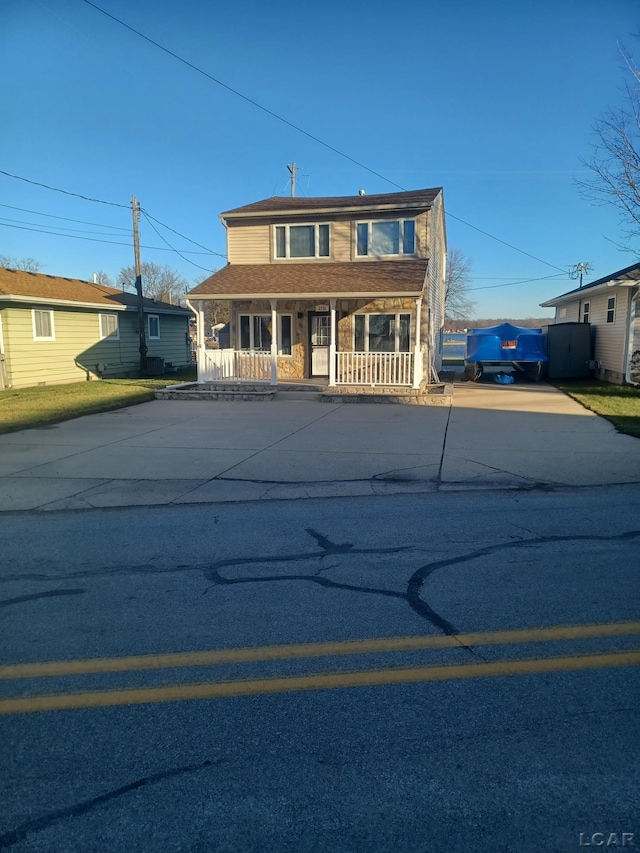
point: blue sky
(494, 101)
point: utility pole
(292, 170)
(136, 250)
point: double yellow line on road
(366, 678)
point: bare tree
(215, 310)
(158, 282)
(26, 264)
(615, 161)
(458, 304)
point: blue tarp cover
(505, 343)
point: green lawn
(32, 407)
(619, 404)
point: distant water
(454, 345)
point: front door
(319, 337)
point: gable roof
(364, 278)
(22, 286)
(286, 205)
(628, 275)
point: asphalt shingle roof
(41, 286)
(284, 204)
(383, 277)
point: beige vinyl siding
(78, 353)
(570, 312)
(611, 338)
(341, 240)
(249, 243)
(252, 242)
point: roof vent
(361, 192)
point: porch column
(274, 343)
(417, 351)
(332, 344)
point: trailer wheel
(473, 370)
(534, 371)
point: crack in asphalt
(8, 839)
(36, 595)
(413, 595)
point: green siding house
(55, 329)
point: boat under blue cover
(505, 343)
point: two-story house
(346, 290)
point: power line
(65, 218)
(78, 230)
(66, 192)
(93, 239)
(86, 198)
(244, 97)
(512, 283)
(302, 131)
(173, 249)
(148, 216)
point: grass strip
(27, 408)
(619, 404)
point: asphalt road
(452, 736)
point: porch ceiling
(312, 280)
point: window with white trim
(109, 330)
(301, 241)
(43, 328)
(381, 332)
(381, 238)
(586, 312)
(153, 327)
(611, 309)
(255, 332)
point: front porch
(345, 368)
(347, 344)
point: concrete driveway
(166, 451)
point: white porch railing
(374, 368)
(219, 364)
(352, 368)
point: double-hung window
(611, 309)
(153, 327)
(109, 330)
(382, 332)
(586, 312)
(386, 237)
(43, 328)
(301, 241)
(255, 332)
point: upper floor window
(302, 241)
(586, 311)
(109, 327)
(43, 328)
(611, 309)
(389, 237)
